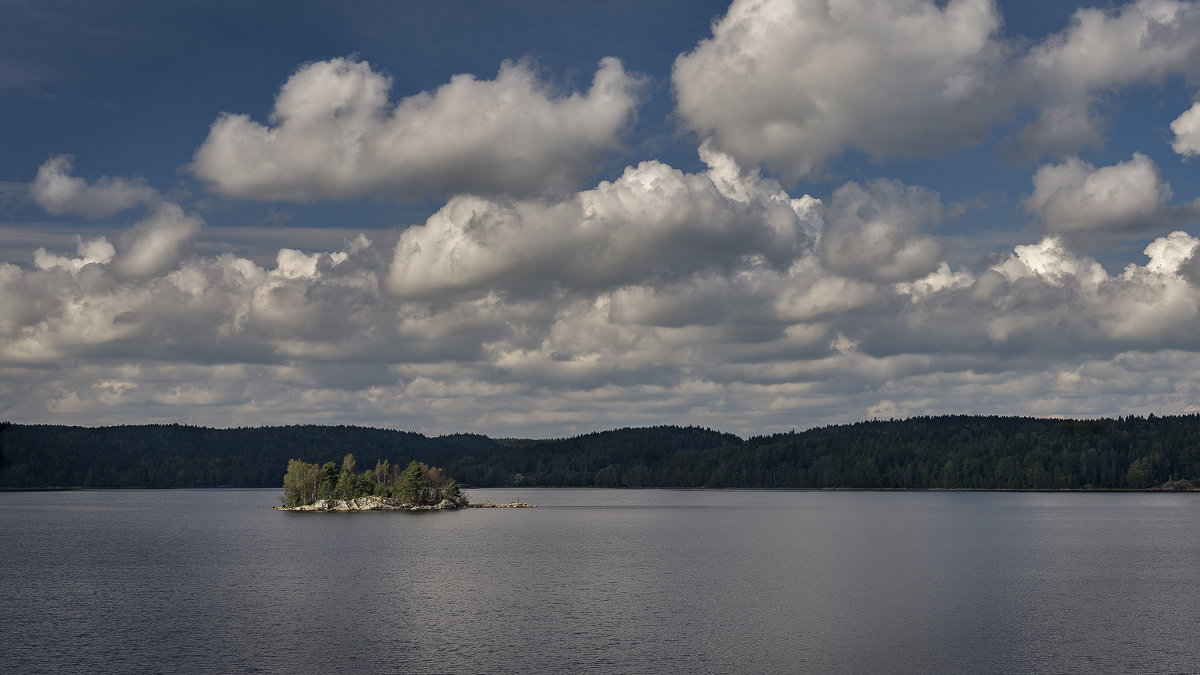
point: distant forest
(971, 452)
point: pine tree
(454, 494)
(414, 485)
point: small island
(308, 487)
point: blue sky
(544, 218)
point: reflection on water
(602, 580)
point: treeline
(924, 452)
(417, 485)
(172, 455)
(968, 452)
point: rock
(1176, 486)
(386, 504)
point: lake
(593, 580)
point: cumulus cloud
(1147, 40)
(155, 245)
(91, 251)
(148, 248)
(334, 134)
(711, 298)
(1076, 197)
(750, 347)
(939, 280)
(653, 223)
(1101, 51)
(1056, 300)
(60, 193)
(813, 296)
(1186, 128)
(791, 84)
(149, 302)
(1168, 254)
(1059, 129)
(876, 232)
(1052, 262)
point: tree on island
(302, 483)
(454, 493)
(415, 488)
(417, 485)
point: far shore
(1157, 488)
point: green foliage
(414, 485)
(922, 452)
(454, 494)
(301, 483)
(173, 455)
(305, 483)
(330, 476)
(609, 476)
(349, 486)
(975, 453)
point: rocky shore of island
(1176, 486)
(390, 504)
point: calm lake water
(604, 581)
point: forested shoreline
(950, 452)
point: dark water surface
(603, 581)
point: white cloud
(91, 251)
(876, 232)
(335, 134)
(661, 296)
(1060, 129)
(55, 190)
(155, 245)
(939, 280)
(822, 297)
(1144, 41)
(1156, 302)
(1056, 299)
(654, 223)
(1075, 196)
(1186, 128)
(1050, 261)
(750, 348)
(1168, 254)
(790, 83)
(1101, 51)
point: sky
(540, 219)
